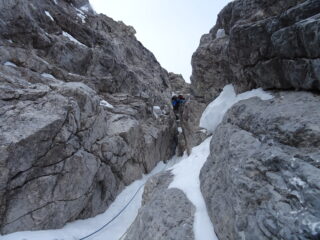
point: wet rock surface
(261, 180)
(77, 93)
(268, 44)
(166, 214)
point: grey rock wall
(179, 85)
(63, 155)
(261, 180)
(268, 44)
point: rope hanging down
(124, 208)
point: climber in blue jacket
(176, 103)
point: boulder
(166, 214)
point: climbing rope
(116, 216)
(124, 208)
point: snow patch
(179, 129)
(44, 61)
(72, 39)
(47, 75)
(11, 64)
(220, 33)
(204, 131)
(86, 7)
(186, 178)
(10, 41)
(81, 15)
(214, 113)
(55, 2)
(49, 15)
(106, 104)
(297, 182)
(157, 112)
(74, 75)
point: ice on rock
(157, 112)
(49, 15)
(72, 39)
(220, 33)
(11, 64)
(47, 75)
(81, 15)
(106, 104)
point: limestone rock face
(261, 180)
(269, 44)
(77, 92)
(179, 85)
(166, 214)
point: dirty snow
(213, 115)
(106, 104)
(49, 15)
(72, 39)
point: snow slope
(187, 179)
